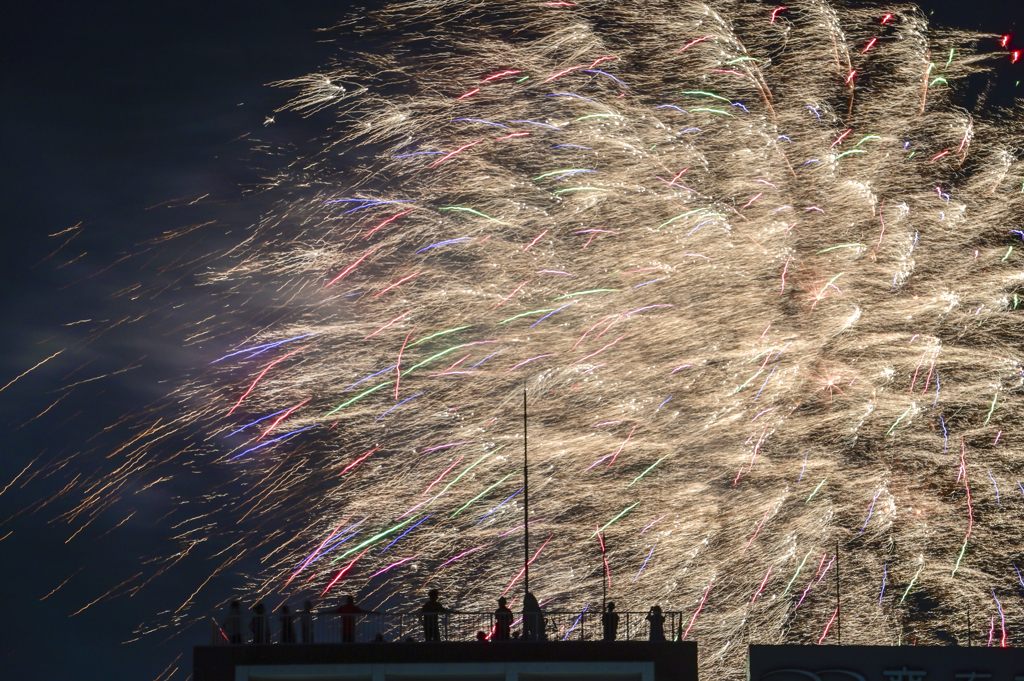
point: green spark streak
(680, 217)
(940, 78)
(957, 566)
(583, 293)
(839, 246)
(439, 333)
(991, 409)
(474, 212)
(815, 491)
(851, 151)
(527, 313)
(705, 94)
(522, 79)
(747, 383)
(482, 493)
(555, 172)
(614, 519)
(599, 116)
(911, 155)
(797, 572)
(375, 388)
(869, 137)
(373, 539)
(911, 585)
(950, 59)
(717, 111)
(579, 189)
(463, 473)
(1007, 254)
(898, 420)
(440, 354)
(741, 59)
(648, 470)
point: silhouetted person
(348, 611)
(429, 613)
(259, 626)
(657, 621)
(481, 636)
(610, 622)
(502, 621)
(233, 623)
(287, 625)
(306, 622)
(533, 619)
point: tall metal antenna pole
(526, 505)
(839, 601)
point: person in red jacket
(348, 611)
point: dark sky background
(110, 109)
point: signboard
(883, 663)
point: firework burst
(756, 270)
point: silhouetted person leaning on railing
(233, 623)
(429, 616)
(306, 622)
(258, 625)
(502, 621)
(287, 625)
(533, 619)
(657, 621)
(610, 622)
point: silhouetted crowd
(534, 624)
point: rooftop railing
(332, 627)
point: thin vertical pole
(839, 601)
(526, 504)
(968, 625)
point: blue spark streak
(263, 347)
(606, 74)
(551, 313)
(270, 442)
(486, 515)
(397, 406)
(405, 533)
(477, 120)
(461, 239)
(645, 563)
(553, 127)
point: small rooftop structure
(885, 663)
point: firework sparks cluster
(759, 275)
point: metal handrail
(334, 627)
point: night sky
(112, 113)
